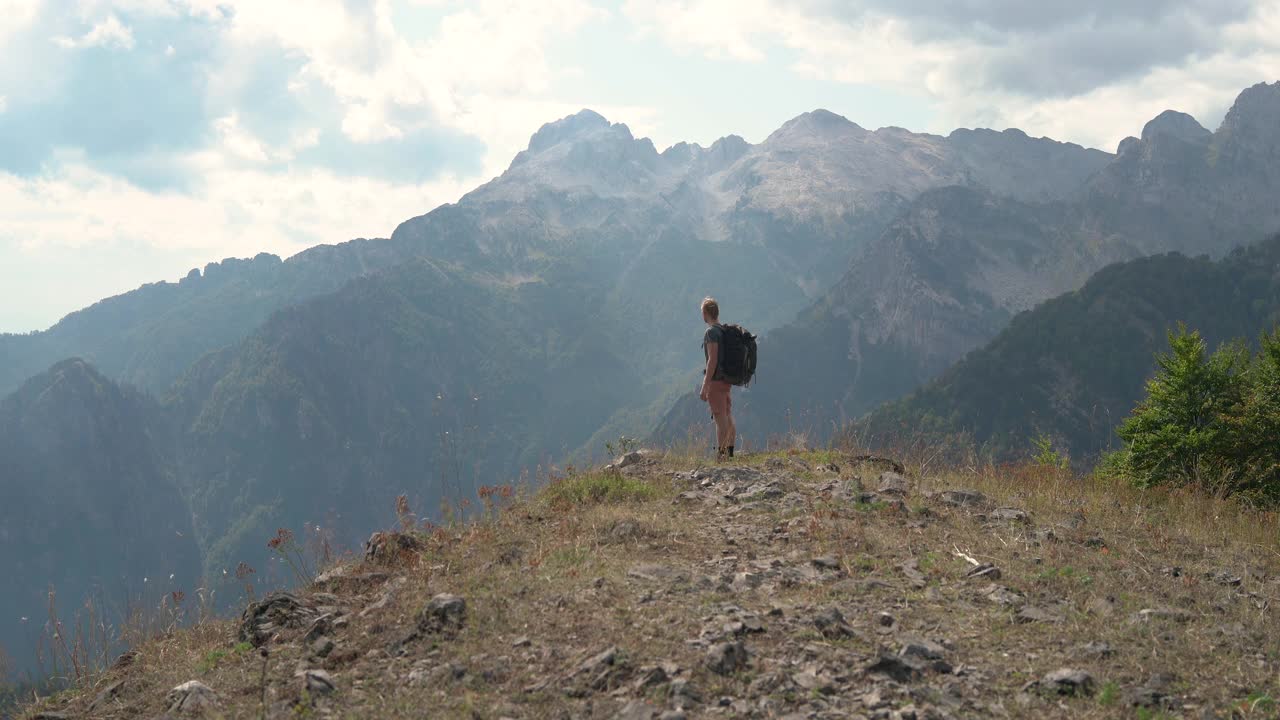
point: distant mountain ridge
(87, 505)
(805, 199)
(1073, 367)
(957, 263)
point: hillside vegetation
(1074, 367)
(793, 584)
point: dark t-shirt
(715, 334)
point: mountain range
(958, 263)
(555, 306)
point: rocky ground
(790, 585)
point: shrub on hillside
(598, 487)
(1208, 420)
(1254, 431)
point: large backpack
(738, 359)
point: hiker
(715, 387)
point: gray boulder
(192, 696)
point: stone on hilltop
(1068, 681)
(962, 498)
(444, 613)
(891, 483)
(192, 696)
(317, 682)
(727, 657)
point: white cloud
(18, 16)
(240, 211)
(977, 74)
(483, 72)
(237, 142)
(107, 33)
(4, 103)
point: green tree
(1181, 433)
(1255, 430)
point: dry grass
(560, 570)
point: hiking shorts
(718, 397)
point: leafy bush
(621, 446)
(1208, 420)
(1254, 430)
(1046, 455)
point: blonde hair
(711, 307)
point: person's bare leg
(733, 431)
(723, 432)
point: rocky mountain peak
(1176, 124)
(69, 378)
(819, 123)
(584, 122)
(726, 151)
(583, 150)
(1251, 124)
(1128, 144)
(682, 152)
(1261, 100)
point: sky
(142, 138)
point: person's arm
(713, 356)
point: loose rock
(826, 562)
(891, 483)
(962, 498)
(106, 696)
(1153, 693)
(387, 548)
(1068, 681)
(637, 710)
(321, 647)
(832, 625)
(1001, 595)
(902, 668)
(1009, 515)
(1173, 614)
(261, 620)
(629, 459)
(1224, 577)
(444, 614)
(911, 569)
(317, 682)
(192, 696)
(727, 657)
(1033, 614)
(604, 671)
(985, 571)
(683, 694)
